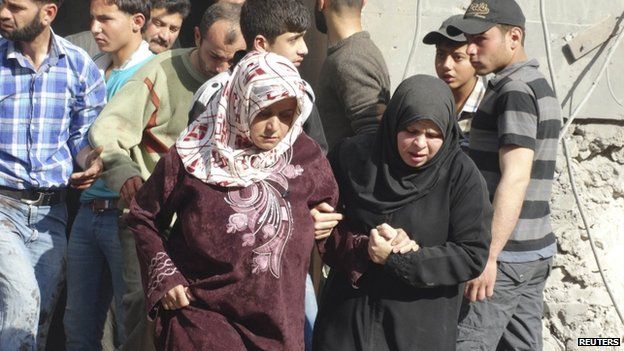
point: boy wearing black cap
(452, 65)
(513, 142)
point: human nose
(4, 13)
(164, 35)
(420, 141)
(471, 49)
(95, 27)
(271, 123)
(448, 63)
(304, 49)
(222, 66)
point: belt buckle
(94, 207)
(106, 205)
(34, 202)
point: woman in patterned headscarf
(241, 180)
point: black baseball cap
(485, 14)
(435, 36)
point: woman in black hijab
(412, 175)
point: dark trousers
(512, 318)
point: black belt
(35, 196)
(101, 205)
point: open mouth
(448, 78)
(417, 157)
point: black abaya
(412, 302)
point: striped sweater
(146, 116)
(520, 108)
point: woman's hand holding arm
(379, 248)
(401, 241)
(325, 219)
(176, 298)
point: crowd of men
(96, 110)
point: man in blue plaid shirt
(50, 93)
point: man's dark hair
(133, 7)
(272, 18)
(58, 3)
(183, 7)
(221, 11)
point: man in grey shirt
(513, 142)
(354, 84)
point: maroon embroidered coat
(243, 252)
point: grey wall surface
(393, 24)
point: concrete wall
(393, 23)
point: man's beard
(27, 33)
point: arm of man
(90, 161)
(363, 89)
(515, 164)
(87, 106)
(119, 129)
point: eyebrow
(102, 16)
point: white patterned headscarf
(217, 149)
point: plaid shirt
(45, 114)
(470, 108)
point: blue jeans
(311, 309)
(93, 277)
(32, 260)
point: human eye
(433, 134)
(412, 130)
(264, 113)
(286, 114)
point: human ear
(516, 34)
(261, 43)
(320, 5)
(197, 36)
(138, 21)
(48, 13)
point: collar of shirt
(472, 103)
(54, 54)
(509, 70)
(103, 60)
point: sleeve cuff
(519, 140)
(76, 145)
(162, 276)
(397, 266)
(116, 177)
